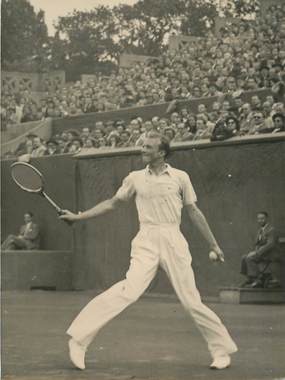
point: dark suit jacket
(32, 235)
(221, 132)
(266, 245)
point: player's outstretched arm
(100, 209)
(198, 218)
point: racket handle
(61, 212)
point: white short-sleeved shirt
(159, 199)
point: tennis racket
(30, 179)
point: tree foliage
(242, 8)
(143, 28)
(86, 39)
(198, 17)
(23, 31)
(146, 25)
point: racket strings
(27, 177)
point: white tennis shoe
(77, 354)
(221, 362)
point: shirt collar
(166, 170)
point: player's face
(150, 151)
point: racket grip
(60, 212)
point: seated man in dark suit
(28, 238)
(266, 250)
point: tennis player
(160, 191)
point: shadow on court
(153, 339)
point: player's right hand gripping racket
(30, 179)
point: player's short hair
(164, 142)
(29, 213)
(265, 213)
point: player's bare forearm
(100, 209)
(198, 218)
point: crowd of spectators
(19, 105)
(217, 122)
(246, 56)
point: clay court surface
(153, 339)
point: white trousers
(154, 245)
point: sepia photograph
(142, 190)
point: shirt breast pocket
(168, 189)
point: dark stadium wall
(38, 269)
(232, 181)
(59, 184)
(146, 112)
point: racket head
(27, 177)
